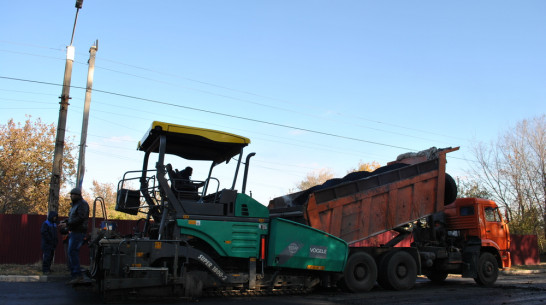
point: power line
(298, 143)
(30, 54)
(26, 92)
(30, 45)
(220, 114)
(249, 93)
(270, 106)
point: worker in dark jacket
(77, 225)
(49, 241)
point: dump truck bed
(359, 209)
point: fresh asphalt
(59, 278)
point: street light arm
(79, 4)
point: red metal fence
(20, 241)
(523, 248)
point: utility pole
(83, 141)
(55, 184)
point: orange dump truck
(414, 197)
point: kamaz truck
(414, 200)
(206, 237)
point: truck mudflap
(470, 261)
(506, 259)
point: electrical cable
(218, 113)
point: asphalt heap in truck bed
(406, 165)
(300, 198)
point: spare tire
(450, 192)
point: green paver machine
(192, 240)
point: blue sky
(360, 81)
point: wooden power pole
(55, 184)
(83, 141)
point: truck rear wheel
(360, 272)
(398, 271)
(488, 270)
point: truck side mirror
(506, 218)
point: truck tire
(450, 190)
(488, 270)
(398, 271)
(360, 272)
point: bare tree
(513, 171)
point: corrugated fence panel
(20, 236)
(524, 250)
(20, 240)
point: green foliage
(470, 188)
(26, 159)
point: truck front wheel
(488, 270)
(360, 272)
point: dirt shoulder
(33, 269)
(526, 269)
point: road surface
(519, 289)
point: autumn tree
(315, 178)
(513, 171)
(108, 193)
(320, 176)
(26, 159)
(368, 167)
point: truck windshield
(492, 214)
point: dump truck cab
(479, 221)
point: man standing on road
(49, 241)
(77, 225)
